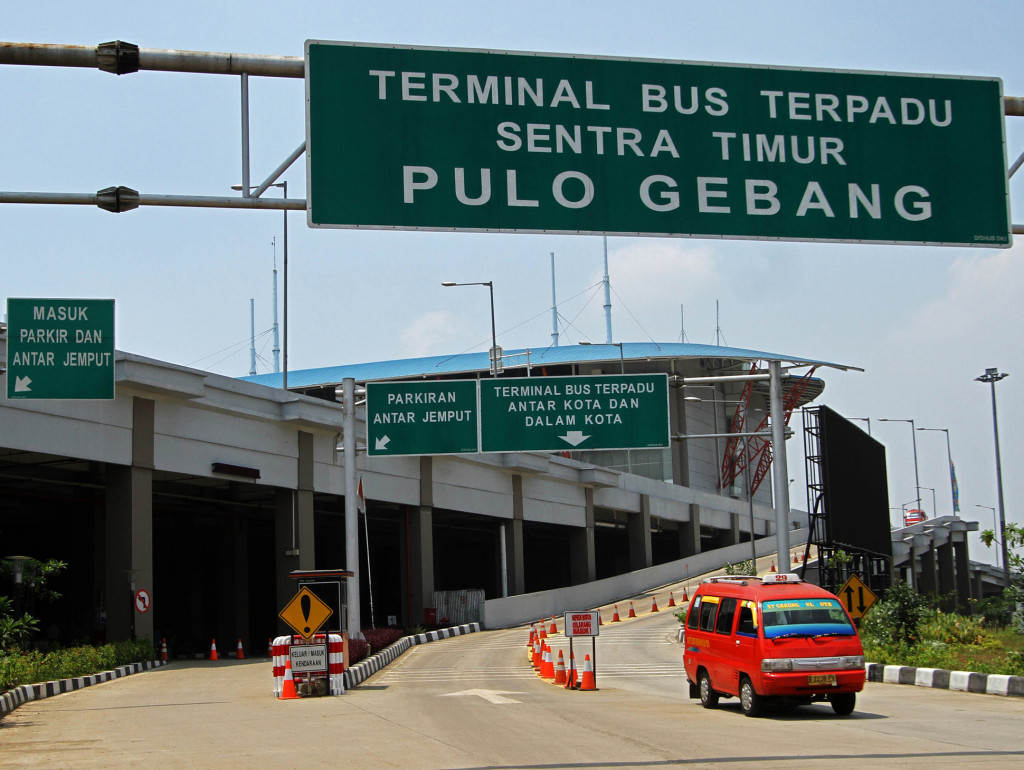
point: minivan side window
(693, 620)
(707, 613)
(725, 615)
(746, 625)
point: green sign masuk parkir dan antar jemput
(442, 139)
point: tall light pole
(495, 353)
(863, 419)
(622, 357)
(935, 507)
(913, 433)
(992, 376)
(284, 193)
(954, 492)
(995, 524)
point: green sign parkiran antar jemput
(417, 138)
(60, 348)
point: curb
(28, 692)
(361, 671)
(940, 679)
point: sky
(922, 322)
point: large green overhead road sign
(437, 139)
(434, 417)
(566, 413)
(60, 348)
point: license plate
(821, 679)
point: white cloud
(430, 334)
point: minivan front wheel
(708, 697)
(843, 703)
(750, 701)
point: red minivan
(771, 639)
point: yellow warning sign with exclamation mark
(306, 612)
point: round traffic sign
(143, 601)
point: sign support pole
(351, 509)
(780, 468)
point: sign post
(857, 597)
(60, 348)
(584, 623)
(499, 141)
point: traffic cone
(671, 599)
(533, 635)
(542, 634)
(600, 620)
(773, 567)
(685, 597)
(632, 612)
(560, 669)
(239, 652)
(547, 668)
(536, 653)
(554, 628)
(615, 616)
(573, 676)
(587, 681)
(213, 650)
(654, 604)
(288, 688)
(796, 559)
(163, 649)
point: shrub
(357, 650)
(379, 638)
(896, 619)
(18, 668)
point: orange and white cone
(615, 616)
(632, 612)
(587, 681)
(654, 604)
(796, 559)
(547, 668)
(288, 688)
(554, 628)
(542, 634)
(213, 650)
(773, 567)
(239, 652)
(163, 649)
(560, 669)
(671, 599)
(537, 654)
(685, 597)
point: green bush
(896, 619)
(18, 668)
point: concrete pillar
(582, 554)
(640, 556)
(926, 575)
(733, 536)
(128, 531)
(514, 554)
(962, 562)
(689, 533)
(421, 544)
(680, 449)
(947, 575)
(294, 526)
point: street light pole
(622, 355)
(952, 472)
(495, 356)
(992, 376)
(913, 434)
(995, 524)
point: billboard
(496, 141)
(856, 486)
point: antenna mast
(252, 336)
(554, 305)
(277, 339)
(607, 296)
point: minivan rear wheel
(708, 697)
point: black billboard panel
(855, 485)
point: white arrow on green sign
(60, 348)
(628, 411)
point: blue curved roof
(471, 363)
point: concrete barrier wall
(524, 608)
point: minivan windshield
(805, 617)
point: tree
(1014, 534)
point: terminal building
(206, 491)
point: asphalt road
(474, 702)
